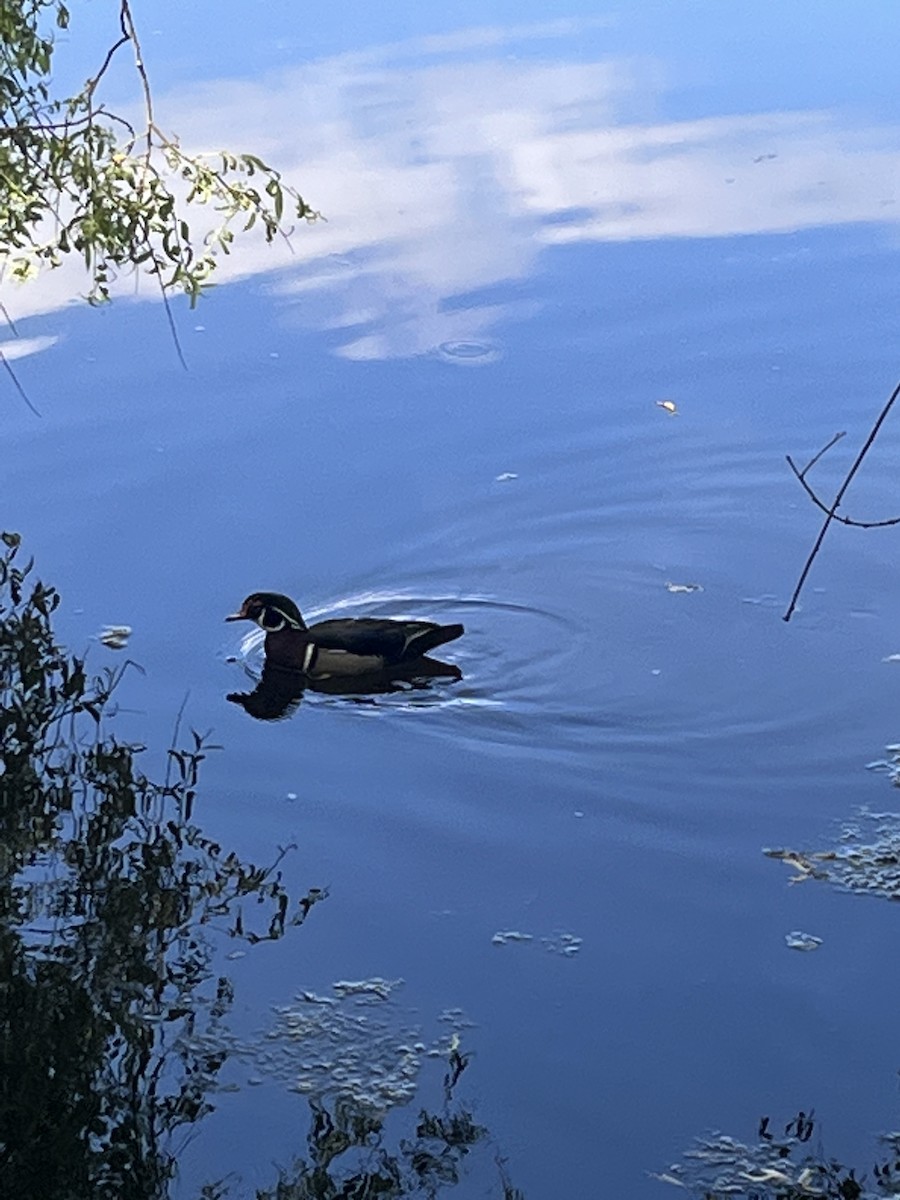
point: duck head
(270, 611)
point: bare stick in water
(831, 513)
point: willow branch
(128, 29)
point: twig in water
(801, 478)
(14, 377)
(831, 513)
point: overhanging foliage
(78, 178)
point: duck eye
(271, 620)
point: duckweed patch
(565, 944)
(781, 1168)
(866, 858)
(353, 1043)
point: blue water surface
(445, 402)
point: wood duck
(345, 648)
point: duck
(345, 647)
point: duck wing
(393, 641)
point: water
(446, 404)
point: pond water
(445, 402)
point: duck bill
(238, 616)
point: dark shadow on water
(280, 690)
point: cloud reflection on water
(14, 348)
(444, 178)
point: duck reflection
(280, 689)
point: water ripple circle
(509, 656)
(469, 353)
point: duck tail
(425, 640)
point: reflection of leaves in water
(346, 1156)
(780, 1167)
(358, 1058)
(112, 1023)
(361, 1059)
(105, 976)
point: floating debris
(800, 862)
(457, 1018)
(115, 636)
(669, 406)
(779, 1165)
(511, 935)
(719, 1165)
(566, 944)
(683, 587)
(866, 859)
(376, 986)
(797, 940)
(353, 1043)
(505, 477)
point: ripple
(510, 669)
(469, 353)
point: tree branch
(4, 362)
(801, 477)
(831, 513)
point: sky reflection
(447, 165)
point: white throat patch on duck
(273, 620)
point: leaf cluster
(77, 178)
